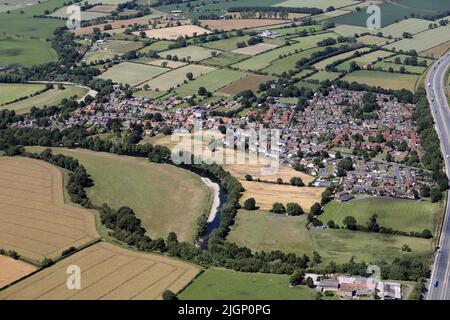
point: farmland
(404, 215)
(108, 272)
(121, 46)
(185, 195)
(365, 59)
(266, 194)
(96, 56)
(173, 33)
(243, 286)
(323, 63)
(50, 97)
(226, 44)
(380, 78)
(85, 15)
(373, 40)
(13, 270)
(321, 4)
(10, 92)
(176, 77)
(35, 222)
(250, 82)
(191, 53)
(236, 24)
(25, 52)
(255, 49)
(132, 73)
(423, 41)
(224, 59)
(158, 46)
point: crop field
(132, 73)
(85, 15)
(50, 97)
(243, 286)
(12, 91)
(412, 25)
(164, 197)
(35, 221)
(103, 8)
(236, 24)
(157, 46)
(192, 53)
(373, 40)
(226, 44)
(255, 49)
(320, 4)
(437, 51)
(251, 82)
(172, 33)
(365, 59)
(108, 272)
(323, 63)
(121, 46)
(266, 194)
(224, 59)
(25, 51)
(164, 63)
(212, 81)
(260, 230)
(176, 77)
(95, 56)
(383, 79)
(13, 270)
(423, 41)
(263, 60)
(398, 214)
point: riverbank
(216, 198)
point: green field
(164, 197)
(365, 59)
(132, 73)
(423, 40)
(324, 75)
(263, 60)
(85, 15)
(385, 80)
(212, 81)
(321, 4)
(223, 284)
(193, 53)
(24, 51)
(49, 98)
(296, 30)
(10, 91)
(373, 40)
(398, 214)
(157, 46)
(386, 66)
(122, 46)
(95, 56)
(260, 230)
(226, 44)
(224, 59)
(323, 63)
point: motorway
(439, 288)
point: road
(439, 285)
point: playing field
(132, 73)
(95, 56)
(423, 41)
(35, 222)
(398, 214)
(13, 270)
(173, 33)
(50, 97)
(12, 91)
(266, 194)
(212, 81)
(243, 286)
(191, 53)
(24, 51)
(164, 197)
(238, 24)
(108, 272)
(383, 79)
(176, 77)
(251, 82)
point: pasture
(323, 63)
(13, 270)
(190, 53)
(239, 24)
(108, 272)
(12, 91)
(385, 80)
(255, 49)
(165, 63)
(35, 221)
(388, 66)
(243, 286)
(373, 40)
(226, 44)
(172, 33)
(157, 46)
(224, 59)
(96, 56)
(320, 4)
(212, 81)
(423, 41)
(26, 52)
(176, 77)
(437, 51)
(164, 197)
(85, 15)
(266, 194)
(250, 82)
(132, 73)
(398, 214)
(121, 46)
(324, 75)
(365, 59)
(49, 98)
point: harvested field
(108, 272)
(191, 53)
(266, 194)
(437, 51)
(250, 82)
(132, 73)
(373, 40)
(255, 49)
(383, 79)
(237, 24)
(176, 77)
(103, 8)
(173, 33)
(35, 222)
(13, 270)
